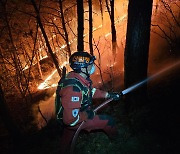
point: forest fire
(46, 84)
(135, 43)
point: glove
(90, 114)
(114, 95)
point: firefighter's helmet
(80, 60)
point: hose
(82, 123)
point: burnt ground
(153, 129)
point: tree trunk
(136, 50)
(8, 75)
(13, 53)
(7, 119)
(90, 27)
(53, 56)
(101, 8)
(113, 29)
(64, 27)
(28, 61)
(80, 29)
(38, 65)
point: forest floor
(153, 129)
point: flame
(45, 84)
(71, 41)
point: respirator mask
(93, 68)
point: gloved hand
(90, 114)
(114, 95)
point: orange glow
(112, 69)
(101, 34)
(46, 84)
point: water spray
(148, 79)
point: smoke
(47, 109)
(159, 73)
(164, 45)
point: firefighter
(75, 100)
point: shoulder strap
(72, 82)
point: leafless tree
(53, 56)
(64, 27)
(19, 77)
(101, 8)
(166, 23)
(113, 29)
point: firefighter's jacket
(72, 100)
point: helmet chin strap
(88, 75)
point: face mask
(93, 68)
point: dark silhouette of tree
(136, 50)
(10, 125)
(18, 77)
(90, 27)
(80, 23)
(113, 29)
(166, 23)
(101, 8)
(64, 27)
(53, 56)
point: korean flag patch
(75, 99)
